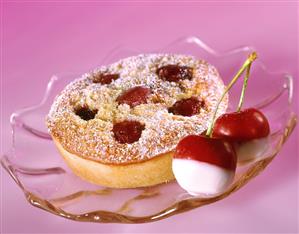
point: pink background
(42, 38)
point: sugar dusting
(94, 139)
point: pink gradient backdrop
(40, 39)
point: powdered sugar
(94, 139)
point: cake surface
(83, 118)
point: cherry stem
(245, 66)
(244, 88)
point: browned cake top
(136, 108)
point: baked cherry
(245, 125)
(104, 78)
(134, 96)
(127, 131)
(85, 113)
(186, 107)
(204, 165)
(175, 73)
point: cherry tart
(118, 125)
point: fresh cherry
(127, 131)
(241, 126)
(174, 73)
(186, 107)
(201, 148)
(134, 96)
(204, 165)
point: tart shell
(157, 170)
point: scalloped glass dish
(36, 166)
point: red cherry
(186, 107)
(214, 151)
(104, 78)
(245, 125)
(174, 73)
(134, 96)
(127, 131)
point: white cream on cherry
(201, 178)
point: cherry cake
(118, 125)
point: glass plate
(36, 166)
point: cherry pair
(211, 157)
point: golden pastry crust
(94, 139)
(147, 173)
